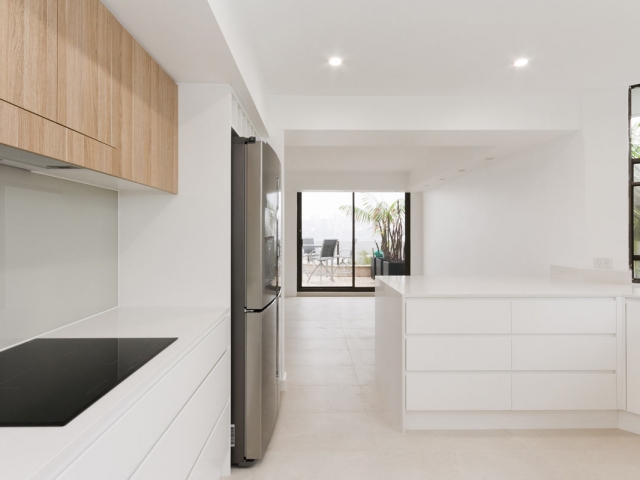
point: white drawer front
(177, 451)
(459, 353)
(458, 391)
(564, 352)
(426, 315)
(117, 453)
(564, 391)
(211, 461)
(565, 315)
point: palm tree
(386, 220)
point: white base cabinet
(633, 356)
(162, 435)
(518, 356)
(458, 391)
(564, 391)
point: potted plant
(386, 220)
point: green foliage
(363, 258)
(386, 220)
(634, 132)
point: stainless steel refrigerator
(255, 297)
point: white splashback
(58, 253)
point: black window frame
(632, 185)
(352, 288)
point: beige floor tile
(314, 314)
(425, 466)
(316, 344)
(327, 332)
(502, 464)
(561, 439)
(319, 357)
(389, 437)
(323, 432)
(313, 324)
(468, 440)
(351, 322)
(591, 464)
(321, 375)
(361, 343)
(359, 332)
(363, 357)
(326, 466)
(374, 398)
(365, 374)
(303, 399)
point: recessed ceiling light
(521, 62)
(443, 179)
(462, 170)
(489, 158)
(335, 61)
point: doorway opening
(345, 238)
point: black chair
(324, 265)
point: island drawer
(453, 315)
(564, 391)
(458, 391)
(564, 352)
(564, 315)
(468, 352)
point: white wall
(58, 253)
(517, 217)
(606, 143)
(563, 204)
(174, 249)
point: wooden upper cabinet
(148, 114)
(28, 55)
(86, 37)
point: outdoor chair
(308, 248)
(324, 261)
(345, 259)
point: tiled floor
(334, 423)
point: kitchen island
(502, 352)
(170, 419)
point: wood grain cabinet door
(28, 55)
(147, 109)
(86, 39)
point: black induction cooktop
(48, 382)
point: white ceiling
(444, 47)
(427, 157)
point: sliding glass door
(344, 238)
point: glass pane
(636, 270)
(326, 239)
(636, 220)
(380, 227)
(634, 136)
(636, 173)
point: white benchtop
(29, 452)
(504, 286)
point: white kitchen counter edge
(504, 287)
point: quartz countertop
(29, 452)
(504, 286)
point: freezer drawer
(262, 400)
